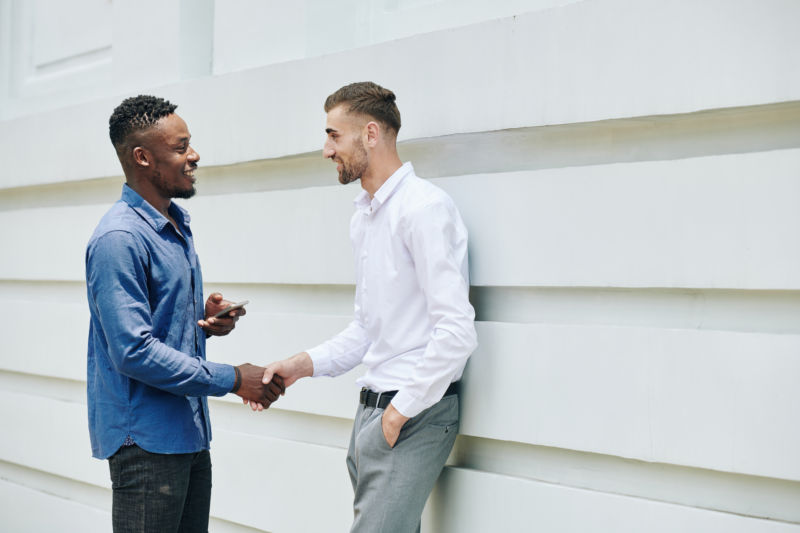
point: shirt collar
(149, 213)
(363, 201)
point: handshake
(250, 386)
(261, 386)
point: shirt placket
(367, 244)
(198, 403)
(187, 254)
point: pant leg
(198, 495)
(362, 414)
(149, 490)
(392, 484)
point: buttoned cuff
(407, 405)
(223, 377)
(321, 359)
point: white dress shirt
(414, 326)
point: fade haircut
(136, 114)
(370, 99)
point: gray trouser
(391, 485)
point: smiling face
(173, 159)
(344, 145)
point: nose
(327, 150)
(193, 155)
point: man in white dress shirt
(413, 327)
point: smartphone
(232, 308)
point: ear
(141, 156)
(372, 134)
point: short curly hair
(135, 114)
(368, 98)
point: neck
(151, 196)
(377, 174)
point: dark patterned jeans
(157, 493)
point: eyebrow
(330, 130)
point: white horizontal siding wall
(629, 173)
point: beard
(171, 191)
(354, 169)
(184, 193)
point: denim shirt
(147, 374)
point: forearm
(168, 369)
(444, 359)
(341, 353)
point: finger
(271, 395)
(223, 322)
(268, 375)
(216, 297)
(275, 389)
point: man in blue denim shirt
(148, 376)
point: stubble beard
(185, 194)
(172, 192)
(355, 170)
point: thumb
(268, 373)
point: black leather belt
(382, 399)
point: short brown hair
(368, 98)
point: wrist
(394, 417)
(304, 364)
(237, 379)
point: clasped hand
(253, 389)
(286, 372)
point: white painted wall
(629, 173)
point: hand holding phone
(230, 308)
